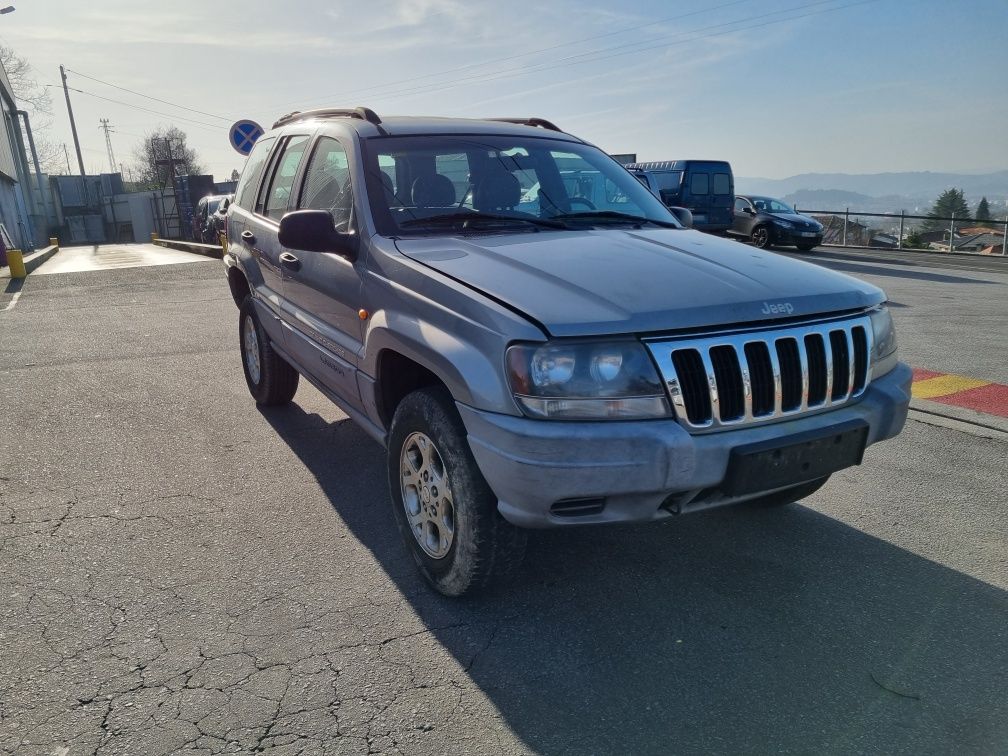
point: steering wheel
(587, 203)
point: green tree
(913, 240)
(951, 201)
(983, 210)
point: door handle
(289, 261)
(248, 237)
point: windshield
(441, 183)
(767, 205)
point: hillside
(879, 192)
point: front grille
(751, 377)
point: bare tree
(34, 99)
(163, 144)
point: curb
(958, 418)
(34, 260)
(207, 250)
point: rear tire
(805, 247)
(789, 495)
(760, 237)
(442, 505)
(270, 379)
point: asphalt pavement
(182, 572)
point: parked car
(705, 187)
(768, 222)
(574, 361)
(217, 221)
(204, 222)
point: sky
(777, 87)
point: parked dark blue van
(705, 187)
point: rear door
(722, 196)
(241, 240)
(322, 290)
(696, 194)
(261, 226)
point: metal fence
(844, 228)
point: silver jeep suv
(535, 338)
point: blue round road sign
(244, 134)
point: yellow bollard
(15, 261)
(153, 236)
(54, 242)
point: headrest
(497, 190)
(434, 190)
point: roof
(421, 125)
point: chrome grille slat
(782, 363)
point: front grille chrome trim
(662, 350)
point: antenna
(107, 128)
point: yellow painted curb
(943, 385)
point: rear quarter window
(245, 193)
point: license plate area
(780, 463)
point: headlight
(586, 381)
(884, 355)
(783, 223)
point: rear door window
(245, 193)
(278, 198)
(699, 184)
(722, 183)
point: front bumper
(643, 470)
(789, 236)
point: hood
(797, 219)
(587, 283)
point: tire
(805, 247)
(788, 495)
(760, 237)
(458, 539)
(270, 379)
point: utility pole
(106, 127)
(66, 154)
(73, 124)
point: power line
(213, 126)
(517, 56)
(151, 97)
(599, 55)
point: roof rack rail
(540, 122)
(364, 114)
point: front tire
(270, 379)
(760, 237)
(443, 506)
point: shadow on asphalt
(730, 631)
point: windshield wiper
(612, 215)
(456, 218)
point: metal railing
(843, 228)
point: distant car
(768, 222)
(705, 187)
(217, 220)
(204, 224)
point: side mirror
(315, 231)
(683, 215)
(748, 210)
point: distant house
(858, 234)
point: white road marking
(14, 299)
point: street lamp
(8, 9)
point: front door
(322, 290)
